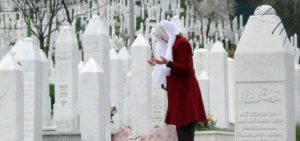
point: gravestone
(231, 90)
(95, 43)
(11, 100)
(30, 60)
(218, 85)
(115, 89)
(114, 72)
(200, 60)
(124, 63)
(141, 85)
(128, 102)
(46, 97)
(264, 80)
(203, 82)
(66, 80)
(159, 105)
(92, 112)
(297, 93)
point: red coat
(185, 103)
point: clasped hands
(154, 61)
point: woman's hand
(154, 61)
(160, 61)
(151, 62)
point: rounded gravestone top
(28, 39)
(265, 10)
(43, 56)
(91, 67)
(218, 47)
(201, 50)
(8, 63)
(113, 54)
(27, 51)
(80, 65)
(123, 53)
(65, 36)
(203, 75)
(140, 41)
(96, 26)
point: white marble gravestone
(128, 102)
(200, 60)
(115, 89)
(114, 72)
(141, 85)
(92, 112)
(264, 80)
(46, 96)
(66, 81)
(203, 81)
(29, 58)
(125, 65)
(11, 100)
(218, 84)
(159, 105)
(96, 44)
(231, 90)
(297, 93)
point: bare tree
(222, 10)
(39, 16)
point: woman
(173, 68)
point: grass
(202, 127)
(298, 132)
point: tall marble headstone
(114, 72)
(128, 102)
(125, 65)
(46, 97)
(231, 90)
(200, 60)
(297, 93)
(218, 84)
(159, 105)
(115, 89)
(141, 85)
(264, 80)
(66, 81)
(203, 81)
(11, 100)
(30, 60)
(96, 44)
(92, 112)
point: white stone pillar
(29, 58)
(66, 81)
(11, 100)
(128, 102)
(125, 65)
(46, 96)
(92, 100)
(218, 84)
(203, 81)
(200, 60)
(115, 70)
(231, 90)
(265, 76)
(297, 93)
(141, 85)
(96, 44)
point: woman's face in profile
(161, 34)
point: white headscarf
(164, 49)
